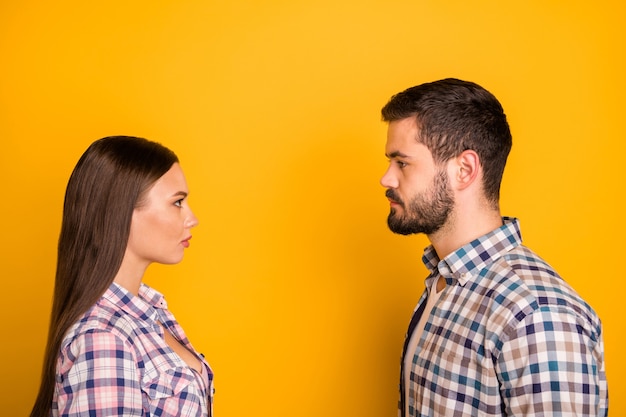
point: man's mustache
(390, 194)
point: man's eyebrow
(396, 154)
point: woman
(113, 346)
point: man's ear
(466, 168)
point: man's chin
(399, 227)
(402, 232)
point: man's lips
(393, 200)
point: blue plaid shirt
(508, 337)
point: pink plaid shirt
(115, 362)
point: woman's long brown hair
(106, 185)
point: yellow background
(293, 287)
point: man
(497, 332)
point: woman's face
(161, 226)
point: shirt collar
(143, 306)
(467, 261)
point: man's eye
(401, 164)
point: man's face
(418, 191)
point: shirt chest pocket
(169, 382)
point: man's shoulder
(527, 279)
(526, 262)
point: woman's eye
(179, 203)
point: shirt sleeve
(553, 365)
(98, 376)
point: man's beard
(425, 213)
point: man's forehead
(402, 135)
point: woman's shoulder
(103, 318)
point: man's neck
(463, 228)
